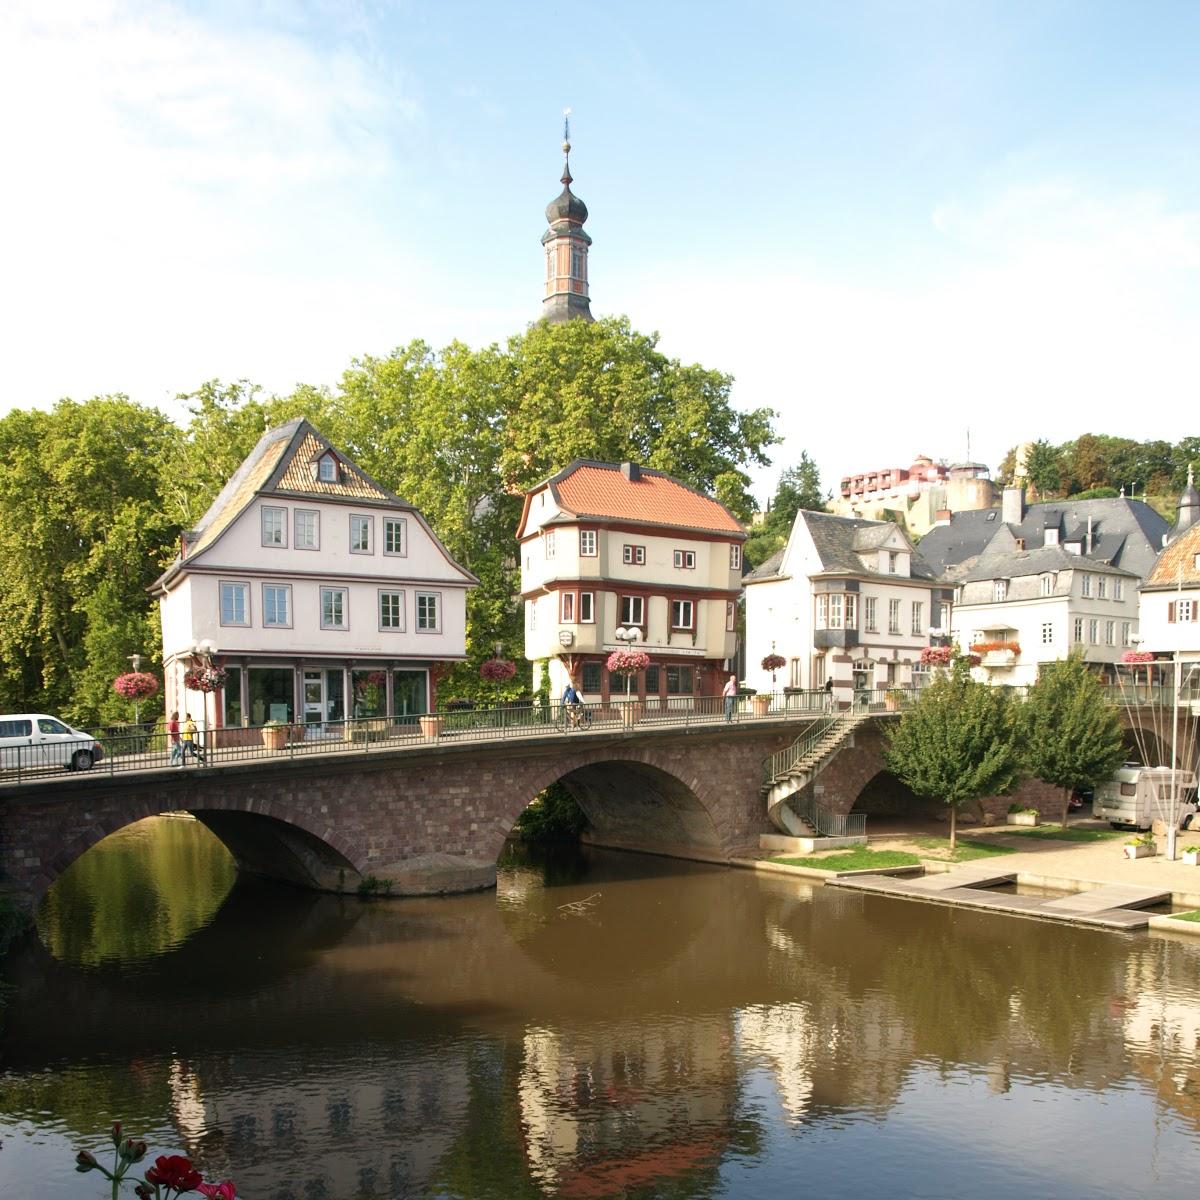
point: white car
(29, 741)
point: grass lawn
(861, 859)
(1194, 915)
(1056, 833)
(965, 851)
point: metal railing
(825, 823)
(783, 762)
(148, 747)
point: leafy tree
(799, 488)
(957, 743)
(1071, 737)
(1044, 468)
(1007, 470)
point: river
(600, 1025)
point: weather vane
(566, 129)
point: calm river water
(602, 1025)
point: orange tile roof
(601, 490)
(1178, 560)
(353, 483)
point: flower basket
(275, 737)
(1139, 848)
(1022, 818)
(136, 685)
(430, 724)
(631, 713)
(1191, 856)
(497, 670)
(760, 704)
(205, 679)
(627, 662)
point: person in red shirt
(173, 737)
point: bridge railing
(141, 748)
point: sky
(900, 225)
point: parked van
(32, 741)
(1137, 796)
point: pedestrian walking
(191, 742)
(729, 691)
(176, 759)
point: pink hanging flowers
(627, 662)
(205, 679)
(497, 670)
(1137, 656)
(135, 685)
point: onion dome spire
(566, 243)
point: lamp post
(135, 660)
(628, 637)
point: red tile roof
(1177, 563)
(600, 490)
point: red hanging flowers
(205, 679)
(497, 670)
(135, 685)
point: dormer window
(1051, 537)
(999, 589)
(1047, 585)
(327, 469)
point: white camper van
(32, 741)
(1137, 796)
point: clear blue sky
(889, 221)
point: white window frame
(390, 524)
(1085, 584)
(730, 615)
(893, 562)
(422, 623)
(633, 555)
(1078, 631)
(999, 591)
(685, 560)
(823, 611)
(1093, 631)
(327, 469)
(330, 624)
(391, 592)
(1110, 633)
(244, 585)
(918, 624)
(360, 521)
(1047, 633)
(548, 544)
(893, 616)
(274, 510)
(1126, 632)
(685, 608)
(588, 543)
(1047, 585)
(630, 604)
(286, 589)
(1118, 589)
(587, 608)
(297, 542)
(870, 616)
(1101, 588)
(735, 556)
(566, 608)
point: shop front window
(370, 693)
(232, 715)
(409, 694)
(272, 694)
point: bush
(552, 817)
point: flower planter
(1020, 818)
(1191, 858)
(430, 725)
(760, 705)
(1138, 851)
(631, 714)
(275, 737)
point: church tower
(1187, 511)
(566, 249)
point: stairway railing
(825, 823)
(782, 762)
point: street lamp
(627, 636)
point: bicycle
(573, 717)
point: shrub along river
(601, 1025)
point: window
(1101, 588)
(683, 614)
(893, 559)
(428, 612)
(1118, 589)
(391, 611)
(274, 526)
(999, 589)
(307, 534)
(1078, 632)
(361, 529)
(871, 621)
(686, 559)
(917, 622)
(893, 616)
(548, 543)
(566, 603)
(1047, 585)
(550, 262)
(634, 555)
(591, 677)
(735, 557)
(232, 698)
(587, 543)
(1179, 611)
(653, 680)
(679, 681)
(730, 616)
(327, 471)
(1126, 632)
(1047, 633)
(577, 261)
(1085, 584)
(50, 725)
(235, 603)
(587, 608)
(835, 612)
(1094, 632)
(334, 607)
(277, 605)
(633, 610)
(1051, 538)
(395, 535)
(1110, 633)
(935, 615)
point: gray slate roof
(1125, 533)
(1016, 563)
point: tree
(957, 743)
(799, 488)
(1071, 736)
(1007, 470)
(1044, 468)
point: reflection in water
(604, 1025)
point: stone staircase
(787, 773)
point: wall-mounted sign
(565, 637)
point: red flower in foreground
(174, 1171)
(225, 1190)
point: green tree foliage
(82, 535)
(553, 815)
(1070, 736)
(799, 488)
(1044, 468)
(957, 743)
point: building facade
(1170, 597)
(1024, 608)
(320, 595)
(848, 603)
(607, 547)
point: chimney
(1088, 543)
(942, 517)
(631, 471)
(1012, 510)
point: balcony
(998, 658)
